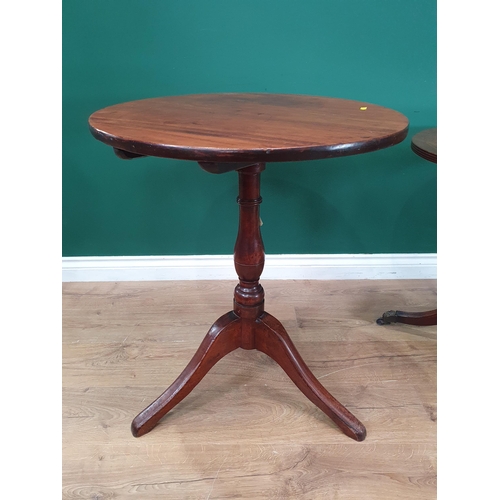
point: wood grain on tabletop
(248, 127)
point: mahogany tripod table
(243, 132)
(424, 144)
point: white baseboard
(221, 267)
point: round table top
(248, 127)
(424, 144)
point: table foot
(425, 318)
(272, 339)
(222, 338)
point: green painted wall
(381, 51)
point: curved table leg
(222, 338)
(425, 318)
(272, 339)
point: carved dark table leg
(248, 326)
(273, 340)
(221, 339)
(425, 318)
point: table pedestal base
(271, 338)
(248, 326)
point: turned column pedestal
(248, 326)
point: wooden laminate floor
(246, 431)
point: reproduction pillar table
(243, 132)
(424, 144)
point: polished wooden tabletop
(424, 144)
(248, 127)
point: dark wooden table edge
(255, 156)
(426, 155)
